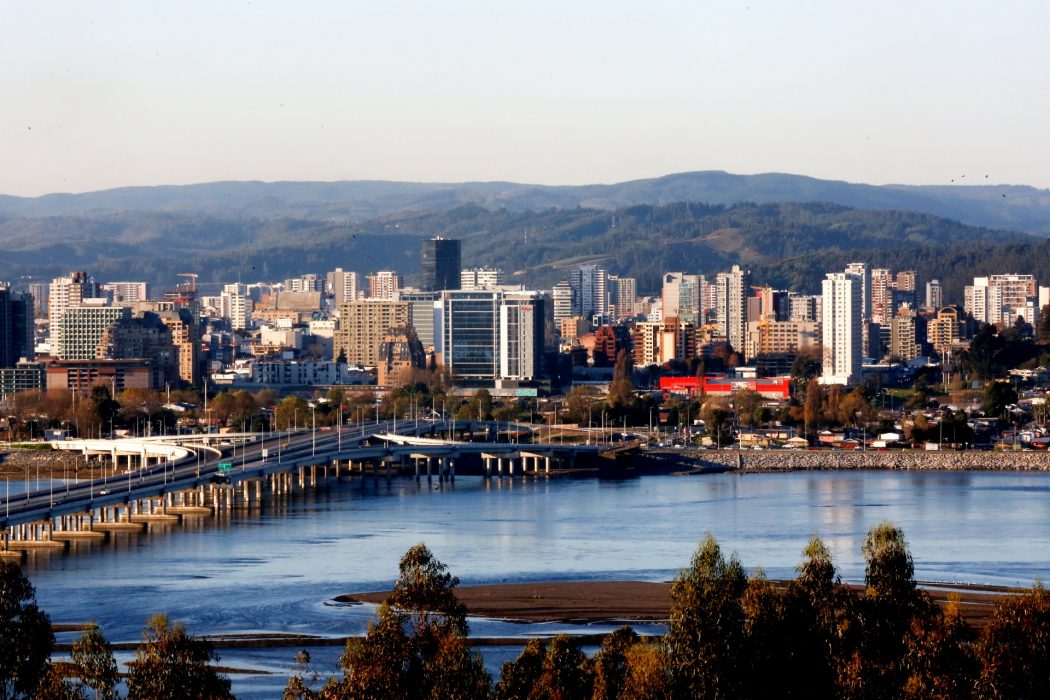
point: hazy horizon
(110, 94)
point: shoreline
(643, 601)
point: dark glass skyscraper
(16, 327)
(440, 263)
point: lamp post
(313, 436)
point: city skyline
(555, 95)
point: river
(278, 568)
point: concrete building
(399, 352)
(480, 278)
(82, 375)
(362, 327)
(942, 332)
(783, 338)
(1001, 299)
(140, 336)
(237, 307)
(563, 301)
(67, 293)
(23, 376)
(731, 292)
(623, 297)
(906, 288)
(16, 327)
(934, 294)
(298, 373)
(905, 335)
(82, 328)
(440, 264)
(345, 286)
(39, 292)
(657, 343)
(882, 309)
(126, 292)
(521, 340)
(862, 271)
(841, 328)
(804, 307)
(305, 283)
(383, 285)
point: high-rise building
(39, 291)
(480, 278)
(440, 264)
(344, 286)
(67, 293)
(421, 314)
(905, 335)
(16, 327)
(383, 285)
(841, 328)
(943, 331)
(731, 290)
(804, 307)
(491, 337)
(862, 271)
(82, 329)
(562, 299)
(305, 283)
(881, 296)
(126, 292)
(934, 294)
(362, 327)
(1002, 299)
(681, 296)
(906, 287)
(623, 297)
(590, 295)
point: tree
(811, 407)
(169, 663)
(997, 396)
(1042, 332)
(647, 677)
(302, 677)
(982, 356)
(705, 635)
(621, 389)
(95, 666)
(425, 587)
(566, 672)
(292, 411)
(417, 647)
(517, 677)
(610, 663)
(25, 635)
(1014, 647)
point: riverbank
(640, 601)
(16, 463)
(857, 460)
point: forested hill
(963, 199)
(790, 245)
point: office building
(16, 327)
(492, 337)
(422, 313)
(681, 296)
(563, 301)
(841, 328)
(589, 291)
(440, 265)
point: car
(103, 492)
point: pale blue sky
(102, 94)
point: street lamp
(313, 437)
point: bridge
(167, 478)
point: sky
(103, 94)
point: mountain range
(788, 229)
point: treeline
(730, 636)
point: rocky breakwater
(15, 462)
(790, 460)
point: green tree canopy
(25, 635)
(171, 664)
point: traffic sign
(225, 466)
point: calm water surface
(279, 568)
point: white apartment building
(841, 329)
(1002, 299)
(126, 292)
(480, 278)
(731, 289)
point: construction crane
(192, 284)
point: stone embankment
(14, 462)
(789, 460)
